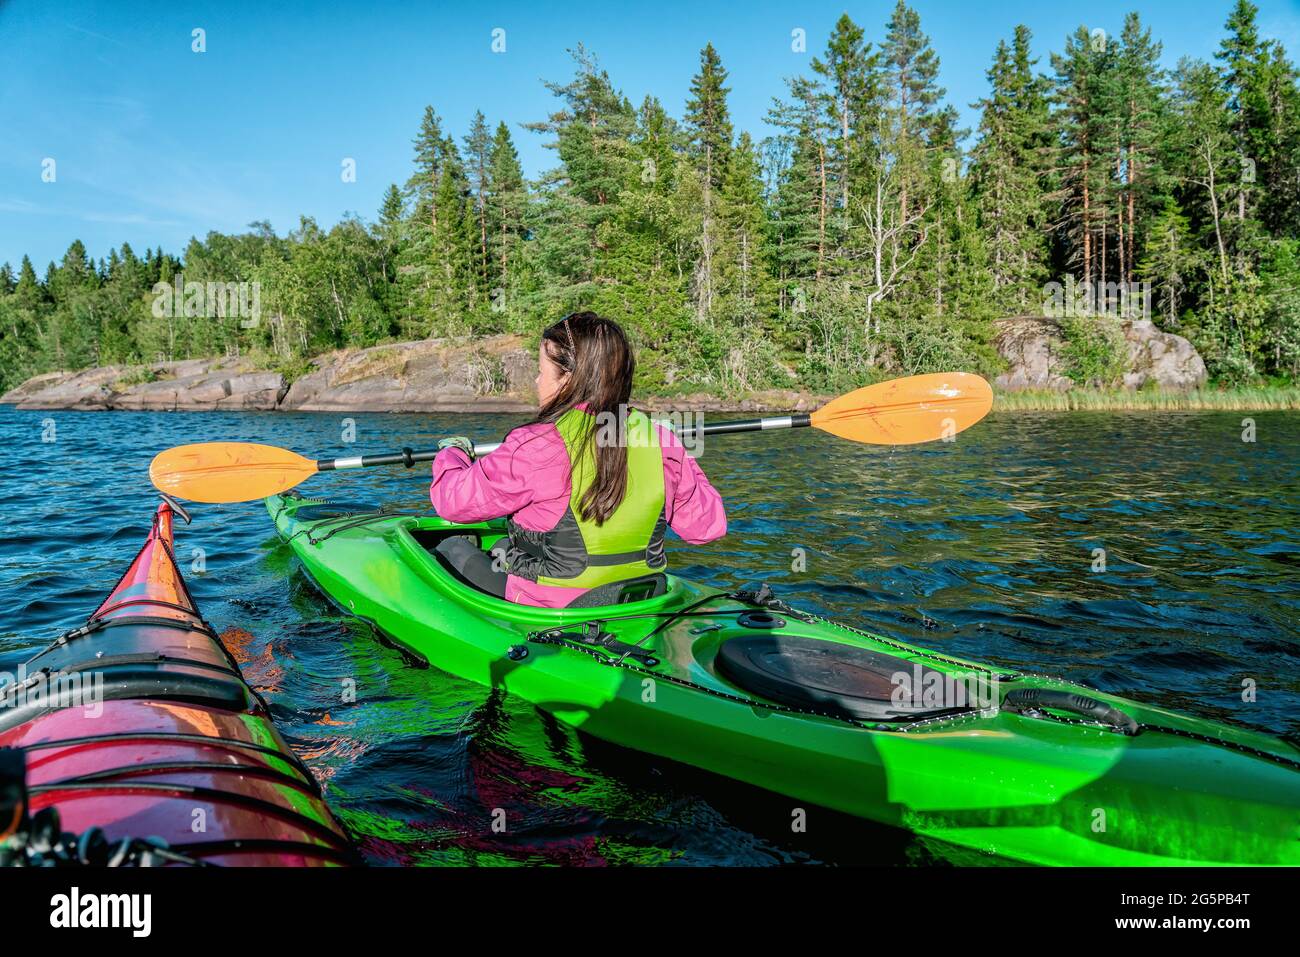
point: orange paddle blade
(228, 471)
(919, 408)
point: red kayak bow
(139, 723)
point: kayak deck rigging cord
(552, 636)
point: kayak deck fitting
(1017, 766)
(138, 725)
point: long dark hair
(595, 353)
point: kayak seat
(615, 593)
(620, 593)
(826, 677)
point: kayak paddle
(904, 411)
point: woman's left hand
(458, 442)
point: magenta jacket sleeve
(693, 506)
(500, 483)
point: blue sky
(155, 143)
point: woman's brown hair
(597, 357)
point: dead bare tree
(892, 238)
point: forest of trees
(858, 241)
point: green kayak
(1017, 766)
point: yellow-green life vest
(582, 554)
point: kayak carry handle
(176, 507)
(1027, 700)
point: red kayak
(140, 724)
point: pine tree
(803, 195)
(708, 132)
(707, 120)
(432, 155)
(441, 289)
(917, 119)
(850, 72)
(1171, 261)
(745, 284)
(591, 129)
(648, 248)
(1086, 128)
(1245, 58)
(392, 220)
(1140, 89)
(1008, 174)
(478, 148)
(507, 209)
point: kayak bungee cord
(204, 793)
(1177, 733)
(555, 636)
(725, 695)
(350, 520)
(169, 736)
(118, 776)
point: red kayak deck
(141, 724)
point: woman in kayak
(589, 485)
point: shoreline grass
(1240, 399)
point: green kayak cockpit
(744, 648)
(616, 593)
(758, 653)
(419, 538)
(420, 531)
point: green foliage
(293, 368)
(137, 376)
(855, 243)
(1009, 175)
(1171, 262)
(1280, 287)
(1094, 352)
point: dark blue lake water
(985, 548)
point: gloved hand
(458, 442)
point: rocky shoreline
(495, 374)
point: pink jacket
(527, 477)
